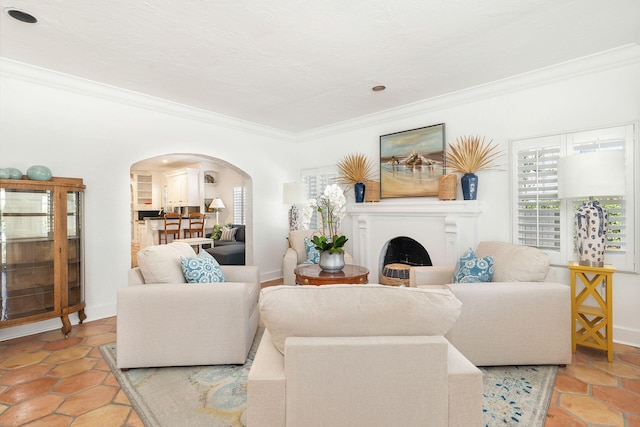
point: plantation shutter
(538, 216)
(316, 181)
(239, 205)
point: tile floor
(47, 380)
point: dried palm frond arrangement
(471, 154)
(354, 168)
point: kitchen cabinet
(183, 187)
(41, 248)
(143, 191)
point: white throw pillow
(515, 263)
(161, 263)
(228, 234)
(356, 310)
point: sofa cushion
(515, 263)
(228, 234)
(355, 310)
(161, 263)
(202, 269)
(471, 269)
(313, 255)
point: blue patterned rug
(216, 395)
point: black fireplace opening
(405, 250)
(401, 254)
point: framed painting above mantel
(411, 162)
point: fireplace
(400, 254)
(443, 228)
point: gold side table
(592, 311)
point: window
(239, 205)
(542, 220)
(316, 180)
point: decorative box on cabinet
(41, 251)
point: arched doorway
(204, 178)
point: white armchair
(168, 322)
(385, 364)
(520, 318)
(296, 255)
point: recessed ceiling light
(378, 88)
(22, 16)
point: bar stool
(196, 225)
(172, 225)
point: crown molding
(613, 58)
(54, 79)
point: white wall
(81, 129)
(595, 92)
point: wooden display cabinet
(41, 251)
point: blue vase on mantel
(359, 188)
(469, 183)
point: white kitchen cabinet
(143, 191)
(183, 187)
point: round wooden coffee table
(311, 274)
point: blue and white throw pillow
(471, 269)
(203, 269)
(313, 255)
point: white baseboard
(626, 336)
(272, 275)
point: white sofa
(296, 255)
(522, 317)
(360, 356)
(167, 322)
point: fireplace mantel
(444, 228)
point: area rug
(217, 395)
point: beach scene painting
(411, 162)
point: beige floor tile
(68, 354)
(592, 375)
(28, 390)
(87, 400)
(22, 360)
(591, 410)
(73, 367)
(30, 410)
(105, 416)
(79, 382)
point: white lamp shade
(216, 204)
(293, 193)
(595, 174)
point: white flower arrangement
(331, 208)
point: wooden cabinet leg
(66, 325)
(81, 315)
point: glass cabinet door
(75, 247)
(26, 253)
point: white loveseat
(522, 317)
(163, 321)
(296, 255)
(360, 356)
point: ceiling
(300, 65)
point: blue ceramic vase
(359, 187)
(469, 183)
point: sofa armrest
(430, 275)
(193, 318)
(135, 276)
(266, 386)
(338, 381)
(289, 263)
(241, 273)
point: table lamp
(589, 175)
(217, 206)
(293, 194)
